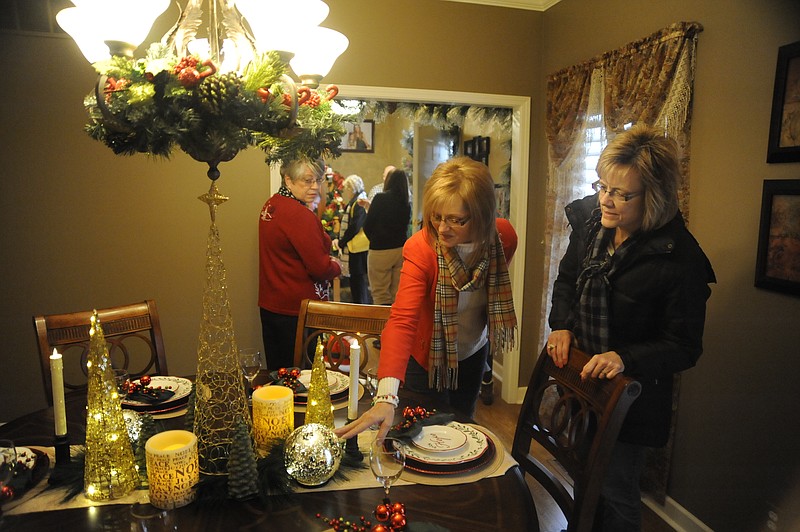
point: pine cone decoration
(215, 92)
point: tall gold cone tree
(109, 470)
(219, 390)
(319, 408)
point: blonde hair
(472, 182)
(654, 157)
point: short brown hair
(472, 182)
(654, 158)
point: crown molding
(531, 5)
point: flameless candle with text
(57, 378)
(273, 415)
(172, 468)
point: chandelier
(215, 95)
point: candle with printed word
(355, 362)
(273, 416)
(173, 468)
(57, 381)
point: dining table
(501, 501)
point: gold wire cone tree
(319, 408)
(220, 396)
(109, 470)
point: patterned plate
(338, 382)
(439, 439)
(476, 446)
(182, 388)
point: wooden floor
(501, 419)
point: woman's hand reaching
(381, 414)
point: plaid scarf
(491, 271)
(594, 288)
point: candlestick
(355, 356)
(57, 378)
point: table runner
(38, 500)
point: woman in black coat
(632, 290)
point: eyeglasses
(449, 221)
(614, 193)
(310, 181)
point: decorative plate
(453, 469)
(338, 404)
(439, 439)
(338, 382)
(477, 443)
(182, 388)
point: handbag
(359, 243)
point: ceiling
(532, 5)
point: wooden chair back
(576, 423)
(132, 332)
(337, 325)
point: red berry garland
(391, 517)
(411, 415)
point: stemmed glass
(8, 461)
(387, 459)
(250, 362)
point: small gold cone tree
(319, 408)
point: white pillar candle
(273, 415)
(57, 382)
(173, 468)
(355, 362)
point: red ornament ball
(145, 380)
(398, 521)
(6, 493)
(382, 512)
(379, 528)
(399, 508)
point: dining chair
(337, 325)
(566, 430)
(132, 332)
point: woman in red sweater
(454, 302)
(294, 259)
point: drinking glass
(250, 362)
(122, 379)
(8, 461)
(372, 381)
(387, 459)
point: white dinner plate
(182, 388)
(439, 439)
(475, 447)
(300, 408)
(338, 382)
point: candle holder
(63, 460)
(351, 447)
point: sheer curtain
(650, 81)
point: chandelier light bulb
(317, 54)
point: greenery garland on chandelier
(153, 104)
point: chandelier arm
(110, 122)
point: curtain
(649, 81)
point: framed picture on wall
(778, 257)
(784, 127)
(360, 137)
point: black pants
(278, 332)
(359, 288)
(470, 371)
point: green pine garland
(151, 106)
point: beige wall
(736, 447)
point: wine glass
(250, 362)
(8, 461)
(387, 459)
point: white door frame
(508, 372)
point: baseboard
(675, 515)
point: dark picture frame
(784, 127)
(778, 256)
(359, 138)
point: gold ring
(550, 346)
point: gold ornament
(219, 390)
(109, 471)
(319, 408)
